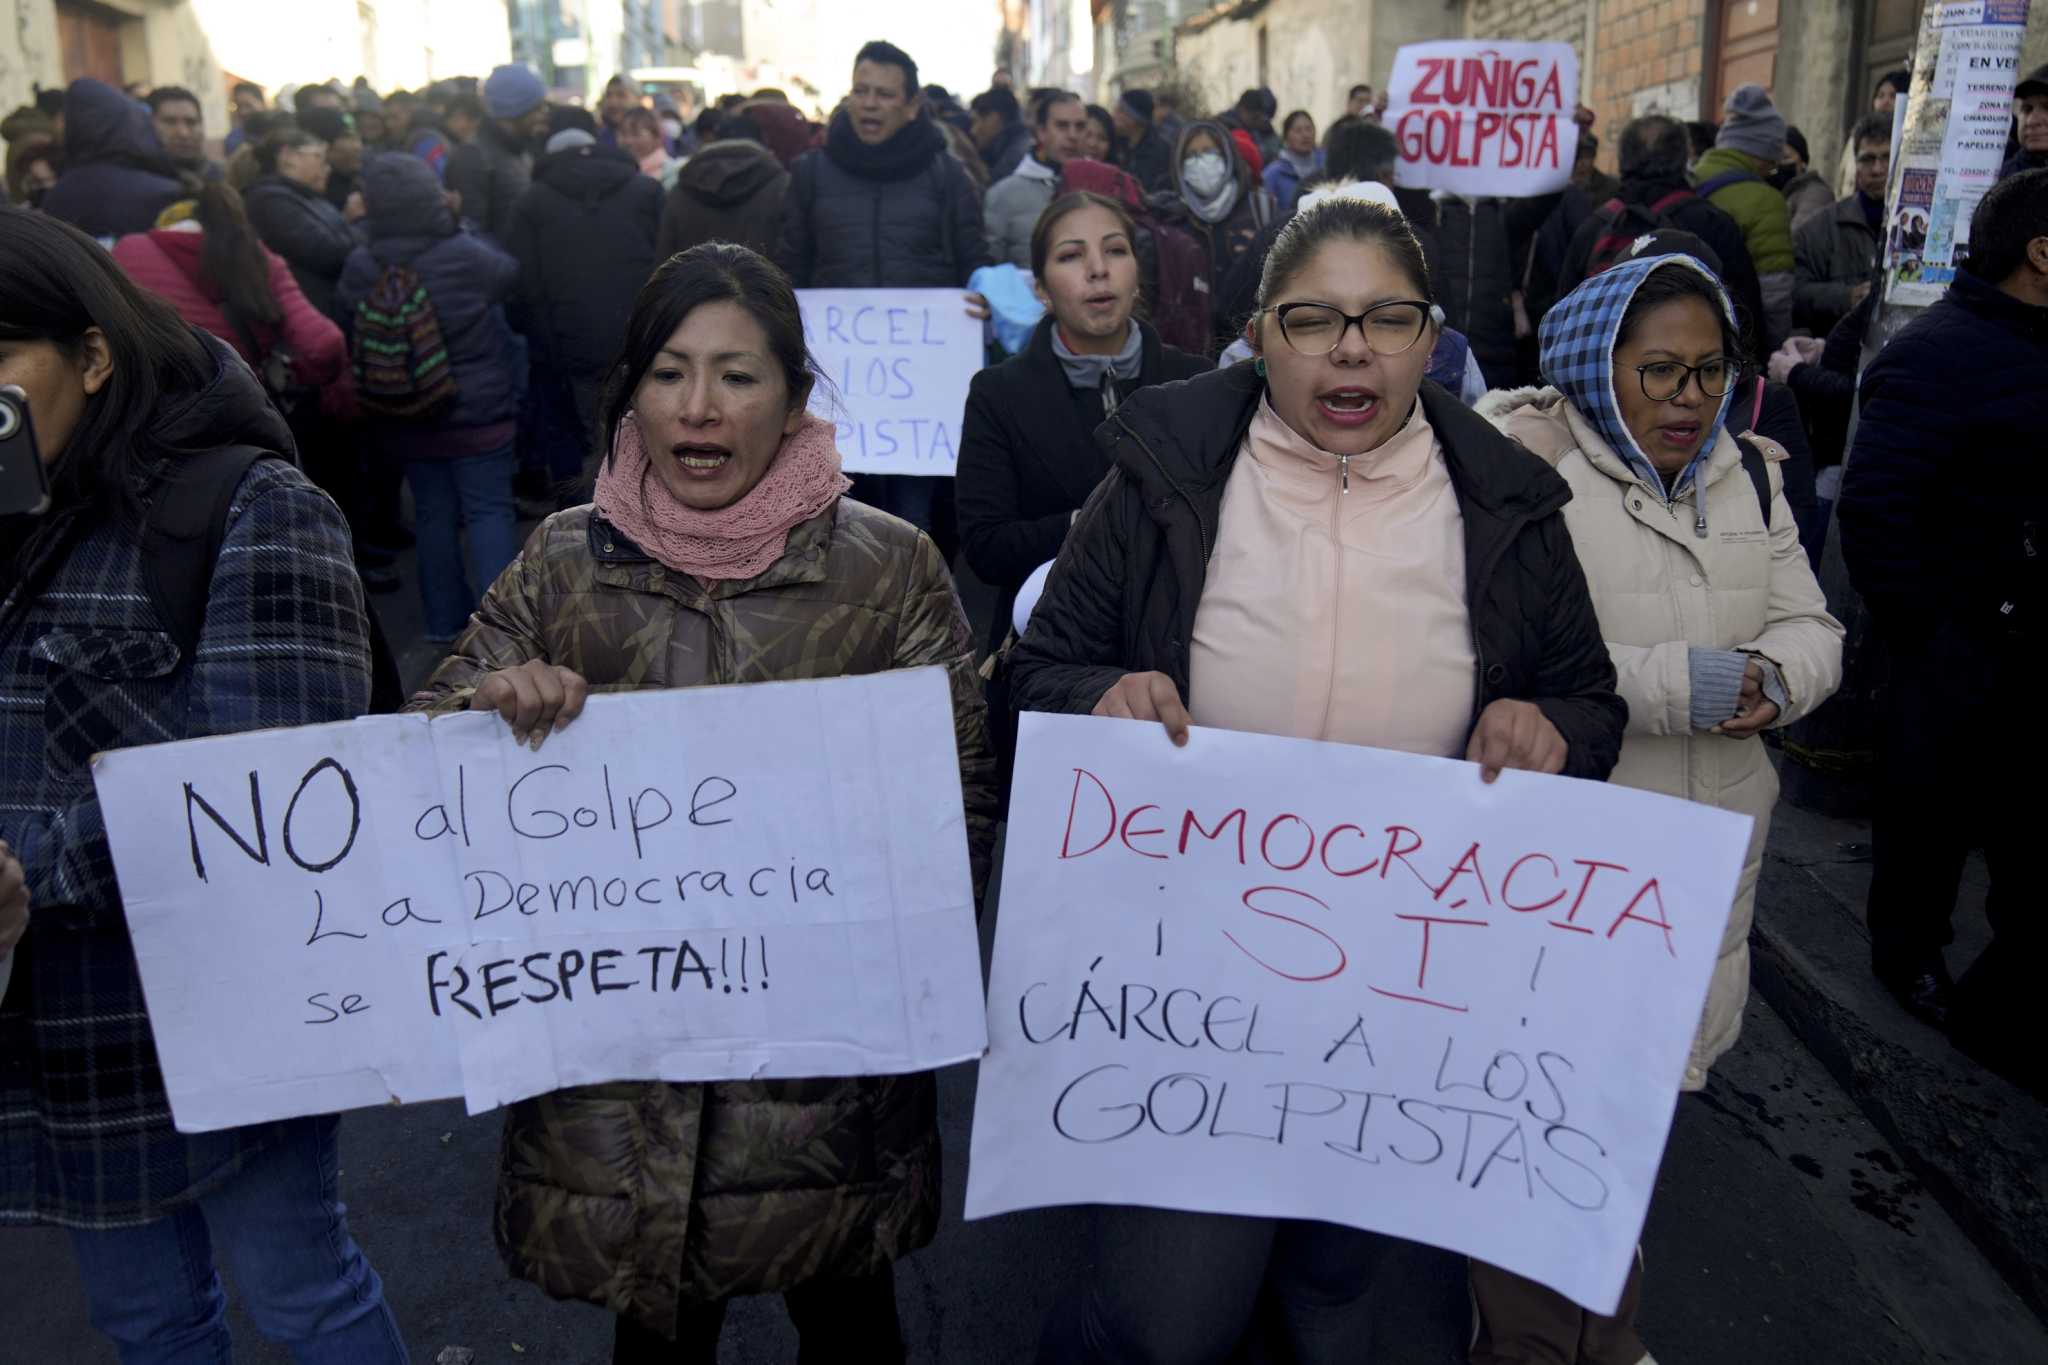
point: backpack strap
(1758, 468)
(1668, 202)
(1707, 189)
(182, 533)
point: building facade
(1819, 58)
(208, 45)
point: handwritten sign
(1282, 978)
(700, 884)
(1484, 118)
(899, 362)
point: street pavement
(1784, 1229)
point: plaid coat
(85, 1130)
(638, 1195)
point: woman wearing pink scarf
(720, 550)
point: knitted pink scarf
(734, 542)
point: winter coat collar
(589, 172)
(1181, 440)
(1577, 338)
(1994, 305)
(904, 155)
(801, 561)
(1546, 422)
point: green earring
(1259, 367)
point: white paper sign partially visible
(1484, 118)
(1282, 978)
(698, 884)
(898, 362)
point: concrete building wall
(1314, 50)
(198, 43)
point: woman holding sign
(1322, 545)
(1710, 609)
(123, 625)
(720, 549)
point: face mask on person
(1784, 175)
(671, 128)
(1205, 173)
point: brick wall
(1562, 21)
(1645, 53)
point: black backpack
(182, 534)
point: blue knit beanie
(510, 91)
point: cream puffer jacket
(1660, 590)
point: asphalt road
(1783, 1230)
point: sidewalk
(1979, 1143)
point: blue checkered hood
(1577, 339)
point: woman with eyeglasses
(1323, 545)
(1717, 628)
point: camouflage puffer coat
(637, 1195)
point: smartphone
(24, 483)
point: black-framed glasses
(1388, 328)
(1664, 380)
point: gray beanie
(511, 91)
(1753, 124)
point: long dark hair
(711, 273)
(232, 259)
(56, 284)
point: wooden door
(1743, 49)
(91, 44)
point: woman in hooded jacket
(1321, 545)
(138, 416)
(1708, 605)
(1234, 215)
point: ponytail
(233, 259)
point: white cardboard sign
(898, 362)
(686, 885)
(1283, 978)
(1479, 117)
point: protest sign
(1957, 114)
(1484, 118)
(898, 362)
(1283, 978)
(691, 884)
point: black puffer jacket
(116, 177)
(310, 233)
(902, 215)
(1123, 594)
(490, 171)
(1944, 496)
(731, 191)
(1473, 272)
(583, 234)
(1028, 458)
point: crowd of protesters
(1237, 377)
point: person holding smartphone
(129, 407)
(14, 903)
